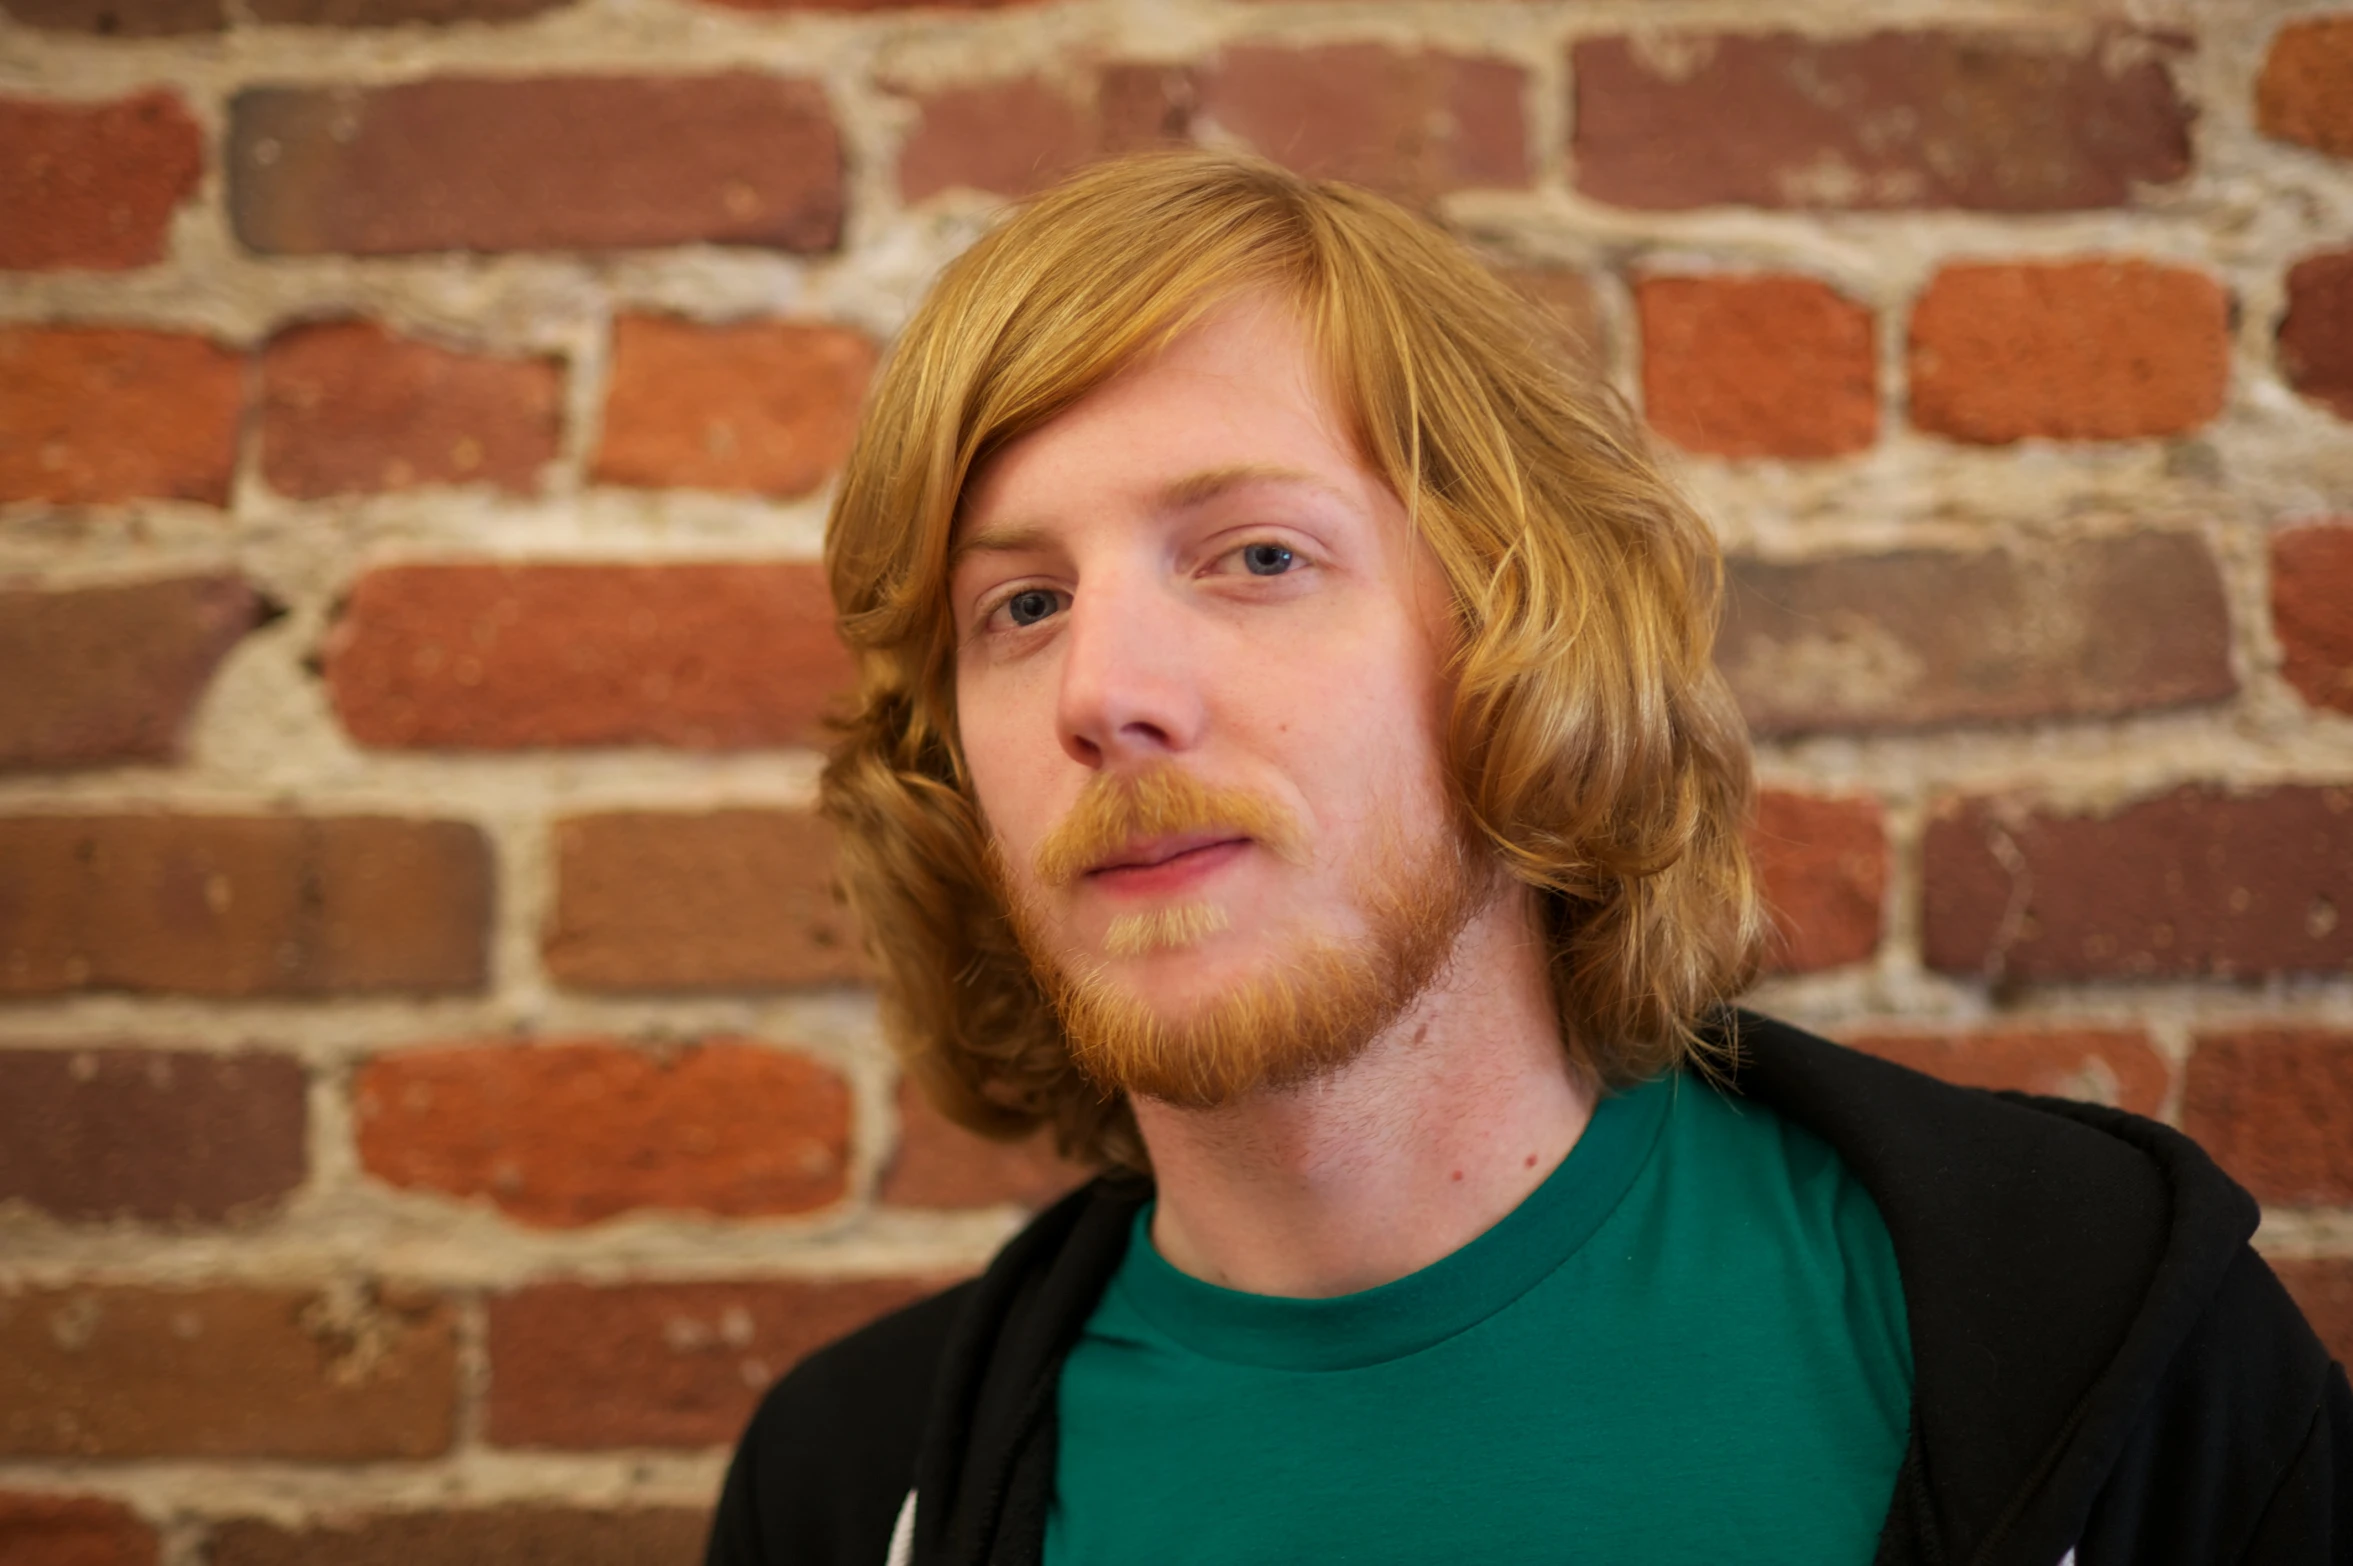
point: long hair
(1591, 742)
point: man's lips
(1149, 862)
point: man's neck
(1441, 1127)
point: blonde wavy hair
(1591, 741)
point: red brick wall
(436, 1084)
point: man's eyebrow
(1198, 489)
(1005, 539)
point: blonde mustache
(1114, 811)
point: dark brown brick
(486, 1536)
(73, 1530)
(2194, 882)
(1758, 366)
(939, 1164)
(241, 905)
(760, 407)
(726, 900)
(871, 5)
(1015, 136)
(2323, 1287)
(150, 1133)
(1008, 138)
(1413, 123)
(94, 675)
(506, 657)
(120, 18)
(2275, 1108)
(579, 1367)
(91, 414)
(2068, 350)
(571, 1132)
(550, 163)
(1139, 105)
(2305, 93)
(1821, 865)
(2115, 1066)
(393, 13)
(1925, 637)
(347, 407)
(2312, 610)
(94, 185)
(333, 1376)
(1975, 120)
(2316, 334)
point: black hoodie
(2101, 1363)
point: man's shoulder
(830, 1454)
(2101, 1261)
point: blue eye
(1266, 559)
(1030, 606)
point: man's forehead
(1184, 492)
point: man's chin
(1203, 1033)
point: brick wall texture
(439, 1086)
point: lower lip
(1187, 869)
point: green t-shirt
(1688, 1344)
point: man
(1288, 763)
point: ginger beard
(1311, 1005)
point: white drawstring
(903, 1537)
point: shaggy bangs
(1592, 742)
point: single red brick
(92, 414)
(95, 675)
(2071, 350)
(1924, 637)
(2305, 93)
(2193, 882)
(940, 1164)
(242, 905)
(121, 18)
(550, 163)
(570, 1132)
(150, 1133)
(1414, 123)
(347, 407)
(335, 1376)
(2316, 334)
(2275, 1108)
(2312, 610)
(2116, 1066)
(394, 13)
(725, 900)
(2323, 1287)
(580, 1367)
(1821, 865)
(765, 407)
(510, 1535)
(1976, 120)
(505, 657)
(1566, 300)
(94, 185)
(1758, 366)
(73, 1530)
(1008, 138)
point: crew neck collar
(1412, 1313)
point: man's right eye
(1030, 606)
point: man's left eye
(1266, 559)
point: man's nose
(1131, 689)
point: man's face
(1199, 690)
